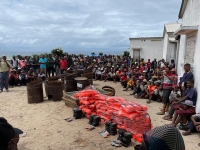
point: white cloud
(106, 25)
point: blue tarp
(93, 55)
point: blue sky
(80, 26)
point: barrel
(70, 76)
(88, 75)
(70, 85)
(82, 82)
(79, 72)
(35, 91)
(54, 90)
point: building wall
(150, 48)
(192, 13)
(191, 17)
(165, 45)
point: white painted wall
(191, 17)
(171, 51)
(165, 45)
(150, 48)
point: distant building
(189, 40)
(146, 47)
(170, 43)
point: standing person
(57, 65)
(172, 65)
(22, 63)
(167, 88)
(43, 66)
(4, 73)
(148, 65)
(188, 75)
(154, 64)
(14, 62)
(63, 65)
(50, 66)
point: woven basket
(109, 89)
(53, 78)
(69, 99)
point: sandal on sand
(116, 143)
(160, 113)
(104, 134)
(90, 127)
(186, 133)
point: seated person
(13, 78)
(23, 78)
(98, 73)
(143, 87)
(162, 138)
(104, 74)
(31, 75)
(159, 91)
(42, 76)
(183, 114)
(119, 74)
(9, 136)
(124, 80)
(194, 125)
(130, 83)
(111, 74)
(175, 96)
(151, 92)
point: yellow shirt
(4, 67)
(130, 82)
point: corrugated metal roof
(172, 27)
(147, 38)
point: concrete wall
(165, 45)
(150, 48)
(191, 17)
(171, 51)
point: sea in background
(85, 52)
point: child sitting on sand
(130, 83)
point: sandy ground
(47, 130)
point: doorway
(136, 54)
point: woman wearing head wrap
(162, 138)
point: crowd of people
(155, 80)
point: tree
(100, 54)
(58, 51)
(126, 53)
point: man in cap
(162, 138)
(9, 136)
(4, 73)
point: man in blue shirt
(43, 66)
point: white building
(189, 40)
(170, 43)
(146, 47)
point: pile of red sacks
(128, 115)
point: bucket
(70, 85)
(82, 82)
(79, 72)
(35, 92)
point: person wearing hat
(4, 73)
(9, 136)
(164, 137)
(190, 94)
(193, 126)
(13, 78)
(187, 109)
